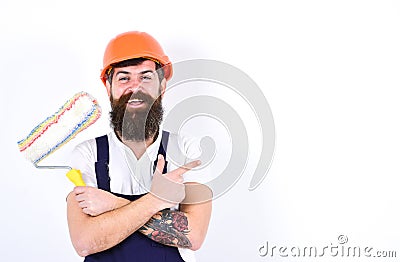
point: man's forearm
(186, 228)
(168, 227)
(94, 234)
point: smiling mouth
(135, 101)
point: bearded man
(137, 205)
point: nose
(134, 85)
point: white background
(329, 70)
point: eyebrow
(128, 73)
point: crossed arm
(109, 225)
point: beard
(136, 124)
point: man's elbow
(82, 247)
(196, 243)
(82, 252)
(195, 247)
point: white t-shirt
(131, 176)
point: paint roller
(77, 114)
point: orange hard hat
(131, 45)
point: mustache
(138, 95)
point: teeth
(135, 100)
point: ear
(108, 86)
(163, 87)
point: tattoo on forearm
(169, 228)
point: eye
(123, 79)
(147, 77)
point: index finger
(192, 164)
(187, 167)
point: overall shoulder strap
(101, 166)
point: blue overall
(137, 247)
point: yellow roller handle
(76, 177)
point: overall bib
(137, 247)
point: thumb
(160, 164)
